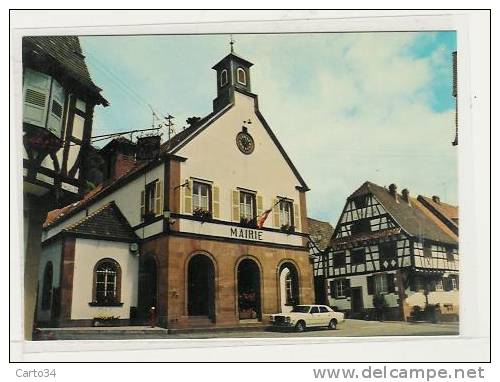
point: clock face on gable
(245, 142)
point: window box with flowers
(106, 321)
(248, 222)
(287, 228)
(202, 214)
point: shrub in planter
(106, 321)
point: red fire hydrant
(152, 317)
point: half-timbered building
(58, 100)
(393, 245)
(320, 234)
(212, 231)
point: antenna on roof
(170, 126)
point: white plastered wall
(264, 171)
(128, 200)
(361, 281)
(87, 254)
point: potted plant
(287, 228)
(248, 222)
(104, 320)
(148, 216)
(202, 214)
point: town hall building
(210, 232)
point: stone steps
(100, 333)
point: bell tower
(233, 72)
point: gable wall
(213, 155)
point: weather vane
(231, 42)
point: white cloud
(347, 107)
(365, 116)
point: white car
(305, 316)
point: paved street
(350, 328)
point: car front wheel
(333, 324)
(300, 326)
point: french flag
(262, 218)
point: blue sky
(347, 107)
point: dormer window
(241, 76)
(223, 78)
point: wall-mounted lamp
(185, 184)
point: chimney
(119, 155)
(436, 199)
(393, 190)
(406, 196)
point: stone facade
(174, 253)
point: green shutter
(370, 284)
(235, 203)
(296, 218)
(215, 202)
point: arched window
(241, 76)
(223, 78)
(47, 286)
(107, 282)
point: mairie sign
(246, 233)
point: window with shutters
(44, 101)
(286, 213)
(380, 284)
(247, 206)
(201, 196)
(151, 200)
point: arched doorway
(289, 286)
(201, 287)
(249, 301)
(148, 286)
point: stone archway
(249, 297)
(201, 287)
(289, 286)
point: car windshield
(301, 309)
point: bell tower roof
(233, 72)
(234, 58)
